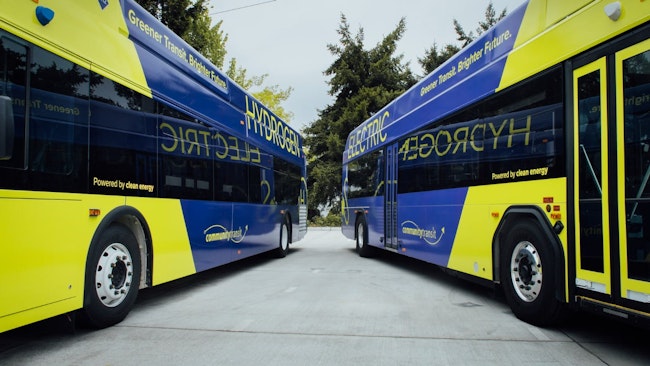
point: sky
(287, 39)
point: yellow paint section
(472, 249)
(172, 254)
(44, 239)
(547, 37)
(81, 32)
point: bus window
(591, 233)
(13, 58)
(122, 139)
(58, 114)
(6, 127)
(365, 176)
(287, 182)
(636, 92)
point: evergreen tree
(433, 58)
(177, 15)
(362, 82)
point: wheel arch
(135, 222)
(537, 216)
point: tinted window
(13, 78)
(58, 116)
(186, 163)
(366, 176)
(123, 140)
(518, 135)
(286, 182)
(636, 96)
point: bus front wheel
(112, 278)
(528, 275)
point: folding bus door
(390, 198)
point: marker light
(44, 15)
(613, 10)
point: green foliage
(210, 42)
(434, 58)
(177, 15)
(271, 96)
(362, 82)
(329, 220)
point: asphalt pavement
(324, 305)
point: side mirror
(6, 127)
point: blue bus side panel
(427, 231)
(221, 233)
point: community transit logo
(220, 233)
(430, 236)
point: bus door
(390, 198)
(612, 185)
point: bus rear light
(94, 212)
(548, 199)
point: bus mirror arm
(6, 127)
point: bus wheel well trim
(510, 218)
(112, 269)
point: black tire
(285, 238)
(112, 278)
(528, 275)
(361, 234)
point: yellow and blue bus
(521, 162)
(127, 160)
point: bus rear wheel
(528, 275)
(112, 278)
(363, 249)
(283, 247)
